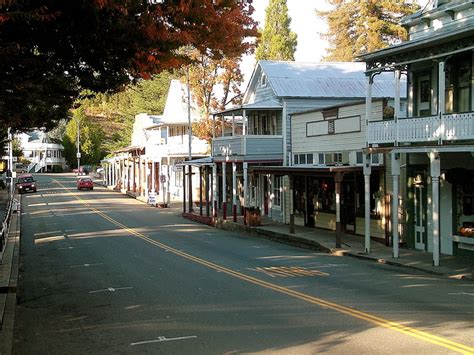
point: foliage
(91, 137)
(277, 41)
(214, 84)
(16, 147)
(360, 26)
(51, 50)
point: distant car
(25, 183)
(85, 183)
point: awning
(198, 162)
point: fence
(6, 224)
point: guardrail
(12, 203)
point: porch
(446, 127)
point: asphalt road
(103, 273)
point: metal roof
(323, 80)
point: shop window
(296, 160)
(309, 158)
(321, 158)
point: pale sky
(311, 47)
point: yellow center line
(418, 334)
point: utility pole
(78, 155)
(190, 134)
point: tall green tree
(91, 137)
(360, 26)
(277, 41)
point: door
(423, 95)
(348, 206)
(420, 207)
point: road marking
(162, 339)
(66, 248)
(370, 318)
(86, 265)
(111, 289)
(462, 293)
(292, 271)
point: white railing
(179, 145)
(459, 126)
(41, 164)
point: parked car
(85, 183)
(25, 183)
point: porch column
(234, 191)
(244, 123)
(184, 188)
(153, 177)
(435, 167)
(190, 188)
(368, 103)
(200, 190)
(292, 209)
(134, 173)
(206, 188)
(109, 174)
(441, 97)
(338, 181)
(214, 190)
(127, 173)
(223, 125)
(233, 124)
(246, 189)
(395, 177)
(367, 172)
(397, 103)
(224, 188)
(168, 178)
(284, 132)
(140, 176)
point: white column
(367, 172)
(368, 104)
(397, 103)
(214, 190)
(441, 95)
(395, 177)
(109, 174)
(244, 123)
(435, 167)
(223, 125)
(224, 182)
(233, 124)
(153, 177)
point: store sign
(152, 198)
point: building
(432, 150)
(43, 154)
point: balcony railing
(450, 127)
(179, 145)
(250, 146)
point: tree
(214, 84)
(360, 26)
(277, 41)
(91, 138)
(51, 50)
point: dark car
(25, 183)
(85, 183)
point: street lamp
(190, 134)
(78, 154)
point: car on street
(25, 183)
(85, 183)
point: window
(338, 158)
(277, 191)
(309, 158)
(359, 158)
(321, 158)
(48, 153)
(331, 127)
(302, 158)
(375, 159)
(263, 80)
(178, 178)
(295, 159)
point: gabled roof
(176, 107)
(319, 80)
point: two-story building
(152, 165)
(432, 152)
(275, 92)
(43, 154)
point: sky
(311, 47)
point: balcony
(248, 147)
(450, 127)
(179, 146)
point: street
(103, 273)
